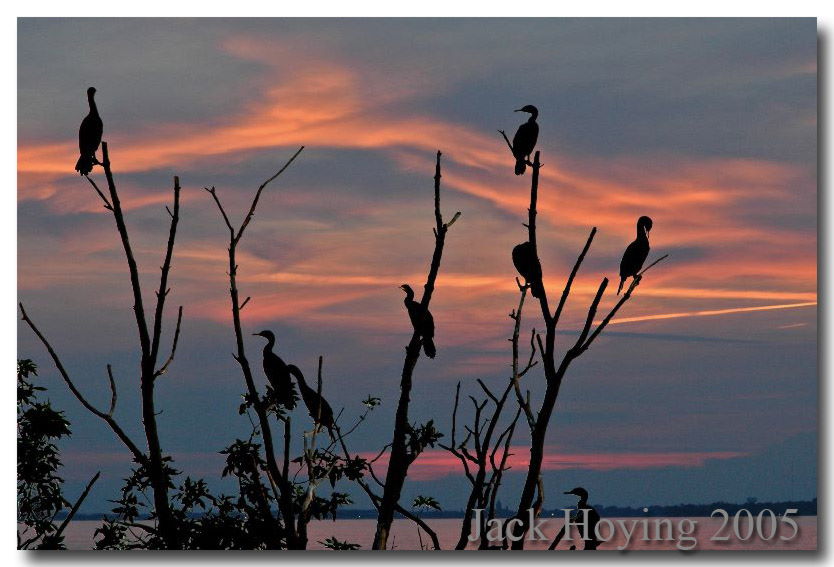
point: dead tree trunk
(401, 459)
(276, 476)
(479, 463)
(375, 499)
(150, 352)
(149, 343)
(555, 374)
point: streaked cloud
(436, 463)
(715, 142)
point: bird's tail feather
(84, 165)
(619, 289)
(537, 288)
(428, 347)
(520, 166)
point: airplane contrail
(710, 312)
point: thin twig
(506, 139)
(592, 311)
(626, 296)
(162, 292)
(76, 506)
(164, 367)
(213, 193)
(251, 212)
(107, 204)
(113, 395)
(569, 283)
(134, 449)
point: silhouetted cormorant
(317, 406)
(636, 252)
(277, 373)
(89, 136)
(582, 508)
(527, 263)
(421, 320)
(525, 138)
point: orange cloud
(323, 101)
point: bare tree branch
(400, 459)
(113, 395)
(592, 312)
(107, 204)
(164, 368)
(626, 296)
(251, 212)
(506, 139)
(138, 456)
(566, 291)
(76, 506)
(162, 293)
(279, 479)
(138, 304)
(213, 193)
(554, 375)
(517, 374)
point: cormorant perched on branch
(636, 253)
(277, 373)
(527, 263)
(525, 138)
(89, 136)
(421, 320)
(317, 406)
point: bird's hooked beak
(518, 110)
(257, 334)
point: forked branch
(138, 455)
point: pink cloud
(326, 101)
(437, 463)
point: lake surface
(79, 534)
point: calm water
(79, 535)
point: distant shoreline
(803, 507)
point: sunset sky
(705, 387)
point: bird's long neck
(409, 296)
(642, 233)
(302, 383)
(270, 342)
(533, 116)
(91, 99)
(583, 503)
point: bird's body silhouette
(636, 253)
(526, 261)
(278, 374)
(89, 136)
(421, 320)
(584, 509)
(317, 406)
(524, 141)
